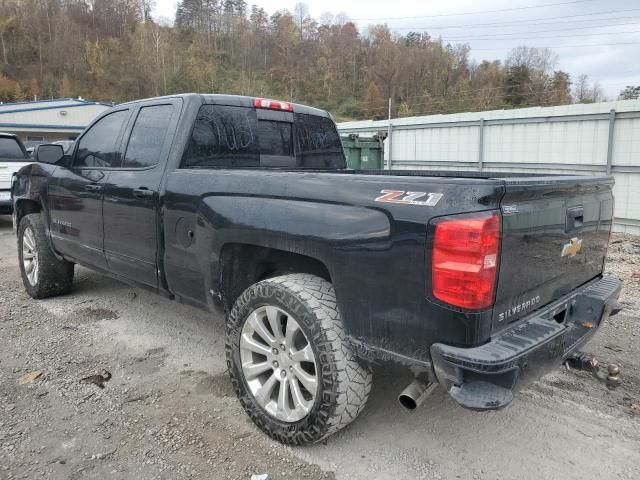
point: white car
(13, 156)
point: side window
(223, 136)
(97, 147)
(148, 136)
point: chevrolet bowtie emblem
(572, 248)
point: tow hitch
(582, 361)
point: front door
(130, 208)
(75, 195)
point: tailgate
(555, 232)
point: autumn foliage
(112, 50)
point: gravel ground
(168, 412)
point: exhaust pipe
(415, 394)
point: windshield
(10, 150)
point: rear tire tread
(349, 381)
(55, 276)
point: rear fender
(29, 193)
(312, 229)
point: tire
(52, 276)
(343, 383)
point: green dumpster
(363, 153)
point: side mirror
(48, 153)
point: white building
(48, 120)
(569, 139)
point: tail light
(273, 105)
(465, 260)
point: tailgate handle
(575, 219)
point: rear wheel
(43, 275)
(290, 363)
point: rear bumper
(485, 377)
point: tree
(584, 92)
(341, 19)
(300, 14)
(597, 95)
(560, 89)
(374, 102)
(581, 90)
(516, 85)
(538, 86)
(630, 93)
(34, 89)
(18, 94)
(404, 110)
(64, 90)
(7, 89)
(541, 60)
(384, 61)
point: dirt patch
(218, 385)
(91, 314)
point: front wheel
(43, 274)
(290, 363)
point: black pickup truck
(477, 282)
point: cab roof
(235, 100)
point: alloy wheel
(30, 256)
(278, 364)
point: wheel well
(243, 265)
(26, 207)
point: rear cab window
(11, 150)
(233, 136)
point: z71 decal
(410, 198)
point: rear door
(555, 232)
(130, 208)
(75, 194)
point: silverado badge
(572, 248)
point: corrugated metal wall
(574, 139)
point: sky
(600, 38)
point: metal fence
(572, 139)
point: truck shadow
(6, 224)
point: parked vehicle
(13, 156)
(478, 282)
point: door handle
(92, 187)
(142, 192)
